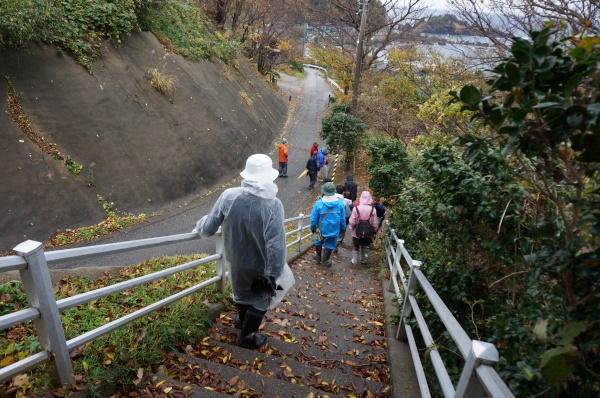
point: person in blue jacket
(251, 219)
(323, 163)
(329, 215)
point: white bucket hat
(259, 167)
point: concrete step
(286, 368)
(243, 380)
(327, 338)
(348, 358)
(326, 335)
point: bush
(183, 28)
(80, 27)
(388, 167)
(342, 131)
(297, 65)
(507, 222)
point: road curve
(308, 99)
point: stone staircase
(326, 339)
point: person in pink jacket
(363, 212)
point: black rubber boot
(241, 314)
(326, 261)
(249, 338)
(317, 257)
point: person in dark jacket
(312, 165)
(380, 209)
(351, 187)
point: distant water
(461, 46)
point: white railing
(32, 263)
(479, 377)
(330, 80)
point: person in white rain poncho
(251, 217)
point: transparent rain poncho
(251, 218)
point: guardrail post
(40, 295)
(395, 269)
(406, 307)
(481, 353)
(300, 222)
(221, 267)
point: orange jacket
(283, 153)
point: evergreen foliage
(506, 220)
(343, 131)
(388, 168)
(80, 27)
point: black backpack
(364, 229)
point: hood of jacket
(349, 178)
(366, 198)
(263, 189)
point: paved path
(309, 99)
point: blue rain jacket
(321, 158)
(335, 222)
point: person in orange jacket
(283, 159)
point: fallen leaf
(7, 361)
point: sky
(437, 4)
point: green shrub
(389, 166)
(297, 65)
(79, 27)
(343, 131)
(506, 220)
(22, 21)
(184, 29)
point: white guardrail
(330, 80)
(32, 263)
(479, 377)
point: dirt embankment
(147, 149)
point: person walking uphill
(283, 158)
(251, 219)
(363, 223)
(312, 165)
(327, 221)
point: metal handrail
(32, 263)
(12, 263)
(84, 298)
(479, 376)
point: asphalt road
(308, 99)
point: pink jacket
(366, 200)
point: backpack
(364, 229)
